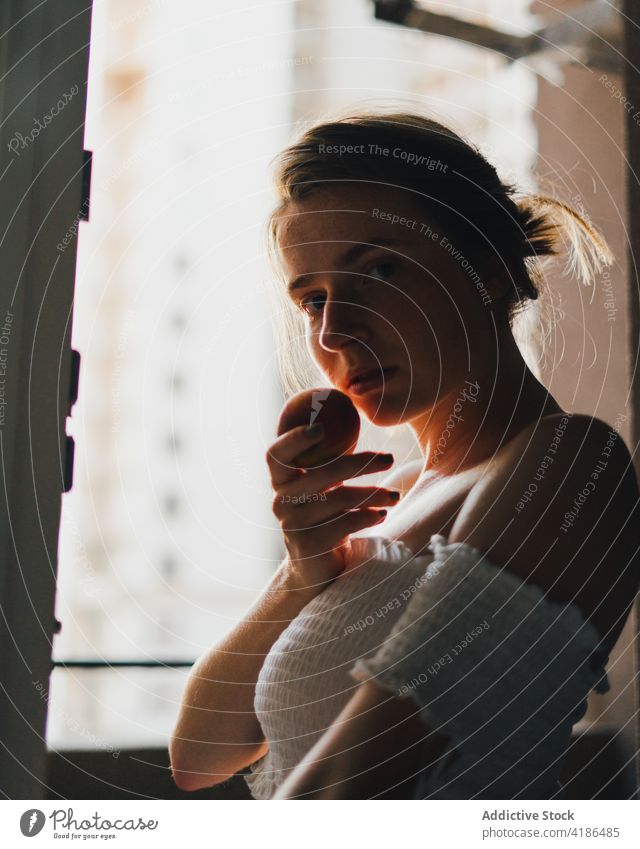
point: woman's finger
(312, 508)
(337, 528)
(334, 473)
(281, 455)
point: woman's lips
(374, 381)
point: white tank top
(487, 657)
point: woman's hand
(316, 514)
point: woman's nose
(343, 322)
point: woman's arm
(217, 732)
(577, 534)
(374, 749)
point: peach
(337, 414)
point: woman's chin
(381, 413)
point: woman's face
(383, 288)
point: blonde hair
(467, 197)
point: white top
(487, 658)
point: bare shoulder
(560, 508)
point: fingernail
(394, 495)
(382, 513)
(386, 458)
(314, 430)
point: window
(167, 535)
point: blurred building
(167, 534)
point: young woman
(436, 636)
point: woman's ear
(494, 280)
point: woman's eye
(309, 302)
(383, 270)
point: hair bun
(549, 226)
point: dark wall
(595, 768)
(582, 160)
(135, 774)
